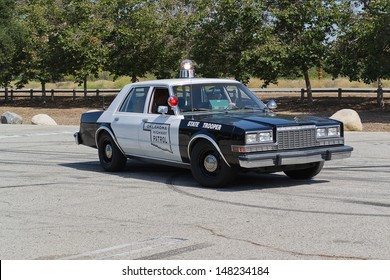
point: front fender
(202, 136)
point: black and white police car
(215, 127)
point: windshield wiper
(200, 109)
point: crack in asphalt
(296, 253)
(170, 184)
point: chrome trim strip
(295, 127)
(211, 140)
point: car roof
(183, 81)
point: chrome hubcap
(108, 151)
(210, 163)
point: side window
(160, 98)
(183, 94)
(135, 100)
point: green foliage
(11, 43)
(227, 29)
(83, 39)
(130, 37)
(43, 53)
(47, 40)
(362, 50)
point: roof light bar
(187, 69)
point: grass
(95, 84)
(316, 83)
(254, 83)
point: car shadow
(182, 178)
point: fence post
(12, 94)
(52, 94)
(31, 93)
(6, 94)
(339, 93)
(74, 94)
(97, 92)
(302, 94)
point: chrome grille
(294, 137)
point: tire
(208, 166)
(306, 173)
(111, 158)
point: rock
(11, 118)
(43, 119)
(350, 118)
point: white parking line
(34, 134)
(127, 249)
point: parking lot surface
(56, 202)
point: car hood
(259, 120)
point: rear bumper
(77, 139)
(294, 157)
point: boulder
(43, 119)
(11, 118)
(350, 118)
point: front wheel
(208, 166)
(111, 158)
(306, 173)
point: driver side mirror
(272, 104)
(162, 110)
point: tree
(362, 48)
(303, 30)
(226, 30)
(12, 38)
(131, 37)
(44, 58)
(83, 39)
(176, 21)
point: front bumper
(279, 158)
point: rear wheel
(306, 173)
(208, 166)
(111, 158)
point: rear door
(127, 120)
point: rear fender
(107, 128)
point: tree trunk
(43, 86)
(308, 88)
(134, 78)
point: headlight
(332, 131)
(259, 137)
(321, 132)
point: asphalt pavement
(56, 202)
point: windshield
(216, 97)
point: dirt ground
(66, 111)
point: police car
(215, 127)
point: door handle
(116, 119)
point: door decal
(159, 135)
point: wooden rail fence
(340, 91)
(10, 94)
